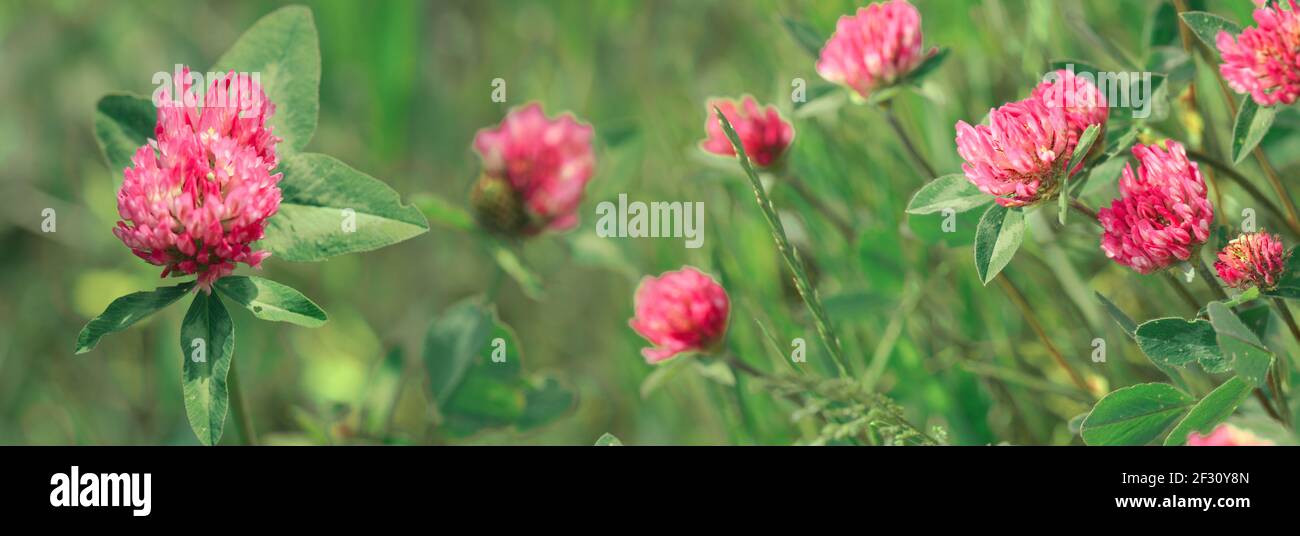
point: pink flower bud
(1263, 61)
(762, 132)
(681, 311)
(1226, 435)
(195, 198)
(874, 48)
(1163, 214)
(546, 162)
(1019, 156)
(1252, 260)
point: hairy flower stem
(1245, 184)
(842, 225)
(920, 161)
(1025, 311)
(1208, 275)
(1081, 208)
(238, 408)
(1183, 292)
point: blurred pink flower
(1252, 260)
(1163, 214)
(762, 132)
(1018, 156)
(197, 196)
(546, 163)
(1226, 435)
(1084, 104)
(681, 311)
(1264, 60)
(874, 48)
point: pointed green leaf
(1177, 342)
(128, 310)
(1207, 26)
(1211, 410)
(207, 344)
(1135, 415)
(284, 49)
(545, 401)
(1250, 127)
(949, 191)
(997, 238)
(807, 37)
(269, 300)
(1239, 346)
(330, 209)
(1080, 152)
(927, 66)
(608, 440)
(452, 342)
(123, 124)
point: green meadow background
(404, 87)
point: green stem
(237, 406)
(1025, 311)
(1210, 280)
(919, 160)
(842, 225)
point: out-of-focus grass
(406, 84)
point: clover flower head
(680, 311)
(1162, 215)
(197, 196)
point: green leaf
(608, 440)
(544, 401)
(1250, 127)
(452, 342)
(997, 238)
(269, 300)
(1211, 410)
(1130, 327)
(123, 124)
(284, 48)
(949, 191)
(1125, 322)
(1239, 345)
(927, 66)
(207, 344)
(313, 221)
(1177, 342)
(1207, 26)
(1080, 152)
(807, 37)
(1161, 25)
(128, 310)
(1135, 415)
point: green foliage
(329, 209)
(273, 301)
(1177, 342)
(1250, 127)
(128, 310)
(123, 123)
(1211, 410)
(1206, 27)
(997, 238)
(283, 47)
(207, 346)
(1136, 415)
(947, 192)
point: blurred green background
(404, 87)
